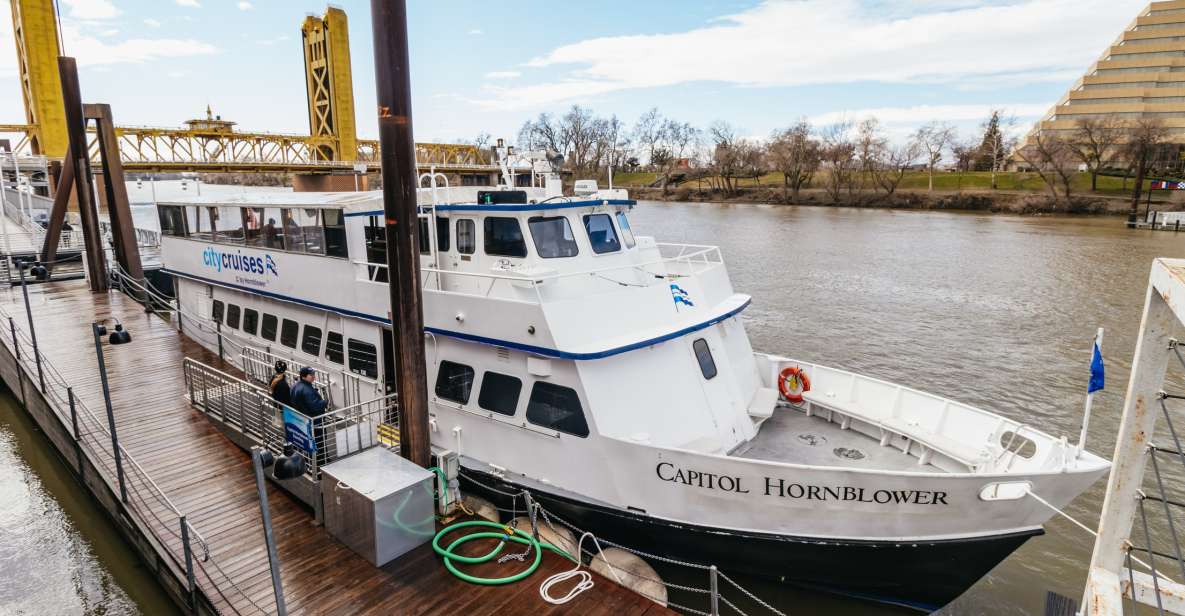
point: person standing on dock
(306, 400)
(279, 384)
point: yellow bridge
(212, 144)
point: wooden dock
(185, 467)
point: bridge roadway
(210, 480)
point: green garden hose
(504, 534)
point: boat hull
(922, 575)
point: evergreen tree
(987, 148)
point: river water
(995, 311)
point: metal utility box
(378, 504)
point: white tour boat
(611, 376)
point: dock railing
(189, 557)
(1137, 557)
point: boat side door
(461, 256)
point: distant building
(1142, 74)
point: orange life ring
(792, 383)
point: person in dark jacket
(305, 397)
(279, 384)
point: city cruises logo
(238, 262)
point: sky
(486, 67)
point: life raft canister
(792, 383)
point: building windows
(250, 321)
(311, 341)
(288, 333)
(334, 350)
(504, 237)
(557, 408)
(363, 358)
(703, 355)
(454, 382)
(499, 393)
(268, 329)
(232, 316)
(553, 237)
(601, 234)
(466, 236)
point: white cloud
(920, 114)
(189, 3)
(92, 51)
(176, 74)
(245, 6)
(91, 9)
(503, 74)
(272, 41)
(109, 32)
(475, 32)
(151, 23)
(842, 41)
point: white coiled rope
(586, 581)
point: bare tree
(1095, 143)
(648, 133)
(726, 156)
(894, 162)
(795, 154)
(838, 157)
(1053, 158)
(870, 147)
(933, 138)
(543, 132)
(1143, 142)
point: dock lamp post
(118, 336)
(39, 272)
(288, 466)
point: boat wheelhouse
(611, 375)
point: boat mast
(397, 153)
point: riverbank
(1006, 202)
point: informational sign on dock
(298, 429)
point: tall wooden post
(57, 215)
(96, 261)
(123, 230)
(397, 147)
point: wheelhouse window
(288, 333)
(425, 247)
(333, 223)
(310, 342)
(601, 234)
(334, 348)
(466, 236)
(172, 220)
(454, 382)
(553, 237)
(707, 365)
(627, 234)
(376, 248)
(250, 321)
(557, 408)
(267, 329)
(217, 310)
(363, 357)
(442, 234)
(499, 393)
(504, 237)
(232, 316)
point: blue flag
(1096, 370)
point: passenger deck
(793, 437)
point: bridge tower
(37, 49)
(330, 85)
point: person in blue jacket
(304, 396)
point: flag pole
(1098, 341)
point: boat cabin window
(228, 225)
(553, 237)
(441, 234)
(601, 234)
(302, 231)
(466, 236)
(504, 238)
(376, 249)
(627, 234)
(364, 358)
(454, 382)
(250, 321)
(558, 408)
(232, 316)
(334, 224)
(288, 332)
(253, 226)
(311, 341)
(425, 246)
(172, 220)
(267, 330)
(216, 310)
(707, 365)
(201, 222)
(334, 350)
(273, 229)
(499, 393)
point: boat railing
(675, 260)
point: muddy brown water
(995, 311)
